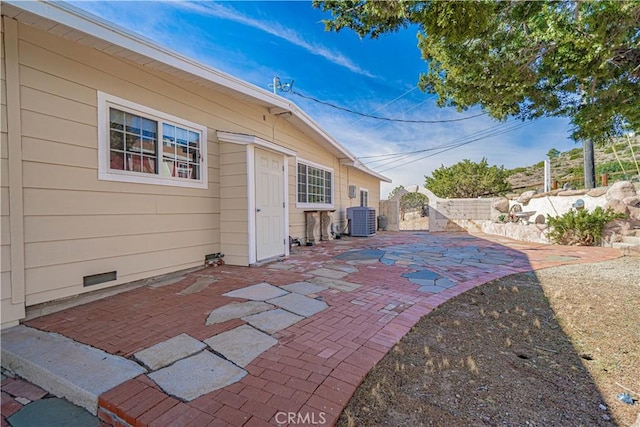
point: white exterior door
(269, 204)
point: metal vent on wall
(362, 221)
(352, 191)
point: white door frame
(251, 202)
(251, 142)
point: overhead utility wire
(393, 158)
(456, 146)
(413, 107)
(388, 103)
(382, 118)
(390, 155)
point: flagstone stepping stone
(304, 288)
(242, 344)
(280, 266)
(362, 254)
(259, 292)
(339, 285)
(272, 321)
(422, 275)
(166, 282)
(199, 285)
(345, 268)
(197, 375)
(423, 282)
(53, 412)
(299, 304)
(236, 311)
(445, 283)
(165, 353)
(327, 272)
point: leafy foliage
(613, 167)
(553, 153)
(409, 201)
(467, 179)
(525, 59)
(580, 227)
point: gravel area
(549, 348)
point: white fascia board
(372, 173)
(243, 139)
(358, 165)
(92, 25)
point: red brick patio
(317, 364)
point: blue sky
(257, 40)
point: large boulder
(572, 193)
(634, 214)
(597, 192)
(620, 190)
(632, 201)
(615, 230)
(618, 206)
(501, 205)
(526, 196)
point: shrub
(580, 227)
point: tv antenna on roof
(277, 85)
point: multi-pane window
(134, 141)
(364, 197)
(148, 146)
(180, 152)
(315, 185)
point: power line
(382, 118)
(390, 155)
(394, 158)
(456, 146)
(388, 103)
(460, 144)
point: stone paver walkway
(320, 320)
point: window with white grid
(142, 145)
(315, 186)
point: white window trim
(105, 101)
(310, 206)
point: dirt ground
(550, 348)
(414, 221)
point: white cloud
(277, 30)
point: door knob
(258, 210)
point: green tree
(553, 153)
(409, 201)
(395, 191)
(524, 59)
(467, 179)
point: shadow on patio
(367, 294)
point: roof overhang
(75, 24)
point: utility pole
(589, 164)
(588, 156)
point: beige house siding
(12, 235)
(76, 225)
(67, 224)
(234, 217)
(5, 235)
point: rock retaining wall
(622, 197)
